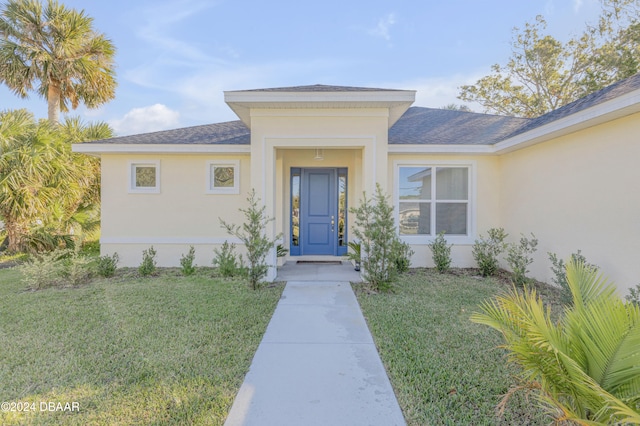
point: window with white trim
(223, 177)
(432, 199)
(144, 176)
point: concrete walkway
(316, 365)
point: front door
(318, 212)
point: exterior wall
(579, 192)
(484, 202)
(180, 215)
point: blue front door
(319, 211)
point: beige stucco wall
(181, 214)
(484, 199)
(579, 192)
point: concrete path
(316, 365)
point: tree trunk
(15, 232)
(53, 100)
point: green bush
(226, 260)
(186, 262)
(486, 251)
(519, 257)
(559, 270)
(44, 270)
(148, 265)
(383, 253)
(75, 268)
(441, 253)
(106, 265)
(634, 295)
(252, 234)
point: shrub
(148, 265)
(634, 295)
(44, 270)
(402, 253)
(519, 258)
(381, 249)
(584, 367)
(559, 270)
(226, 260)
(75, 268)
(487, 250)
(441, 253)
(281, 251)
(106, 265)
(186, 262)
(251, 233)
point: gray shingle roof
(318, 88)
(418, 125)
(227, 133)
(440, 126)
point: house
(571, 176)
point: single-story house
(571, 177)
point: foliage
(106, 265)
(44, 270)
(486, 250)
(226, 260)
(148, 265)
(76, 270)
(545, 73)
(186, 262)
(382, 251)
(355, 251)
(252, 234)
(56, 52)
(585, 367)
(519, 257)
(559, 270)
(402, 253)
(634, 295)
(281, 251)
(441, 253)
(47, 192)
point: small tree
(382, 249)
(441, 253)
(252, 234)
(187, 262)
(519, 258)
(486, 251)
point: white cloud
(384, 26)
(577, 5)
(146, 119)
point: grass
(445, 369)
(161, 350)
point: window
(144, 177)
(432, 199)
(223, 177)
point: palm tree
(46, 191)
(56, 52)
(585, 367)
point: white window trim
(235, 189)
(471, 219)
(132, 188)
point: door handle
(333, 221)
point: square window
(144, 177)
(223, 177)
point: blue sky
(175, 58)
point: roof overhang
(396, 101)
(96, 149)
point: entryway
(318, 211)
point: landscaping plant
(634, 295)
(148, 265)
(559, 270)
(519, 258)
(106, 265)
(584, 368)
(44, 270)
(75, 267)
(486, 251)
(186, 262)
(252, 234)
(354, 254)
(382, 250)
(226, 260)
(441, 253)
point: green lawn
(445, 369)
(160, 350)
